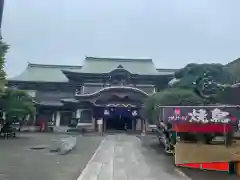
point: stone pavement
(120, 157)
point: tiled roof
(44, 73)
(167, 71)
(53, 73)
(105, 65)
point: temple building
(110, 89)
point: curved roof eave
(69, 100)
(113, 88)
(68, 73)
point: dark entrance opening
(118, 123)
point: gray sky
(171, 32)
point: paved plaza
(156, 154)
(19, 162)
(113, 157)
(122, 157)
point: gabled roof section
(105, 65)
(44, 73)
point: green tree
(3, 51)
(18, 104)
(234, 68)
(206, 80)
(177, 97)
(170, 97)
(15, 103)
(150, 109)
(190, 73)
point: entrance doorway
(118, 123)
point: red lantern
(177, 111)
(233, 118)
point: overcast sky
(171, 32)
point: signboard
(203, 115)
(99, 121)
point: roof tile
(53, 73)
(105, 65)
(44, 73)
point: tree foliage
(234, 68)
(3, 51)
(195, 84)
(170, 97)
(150, 109)
(18, 104)
(206, 80)
(190, 73)
(15, 103)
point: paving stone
(120, 157)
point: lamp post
(1, 16)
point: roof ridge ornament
(120, 67)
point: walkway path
(120, 157)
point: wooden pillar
(78, 114)
(100, 124)
(134, 125)
(34, 119)
(58, 118)
(94, 123)
(143, 127)
(53, 118)
(105, 124)
(138, 124)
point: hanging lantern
(134, 113)
(106, 112)
(177, 111)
